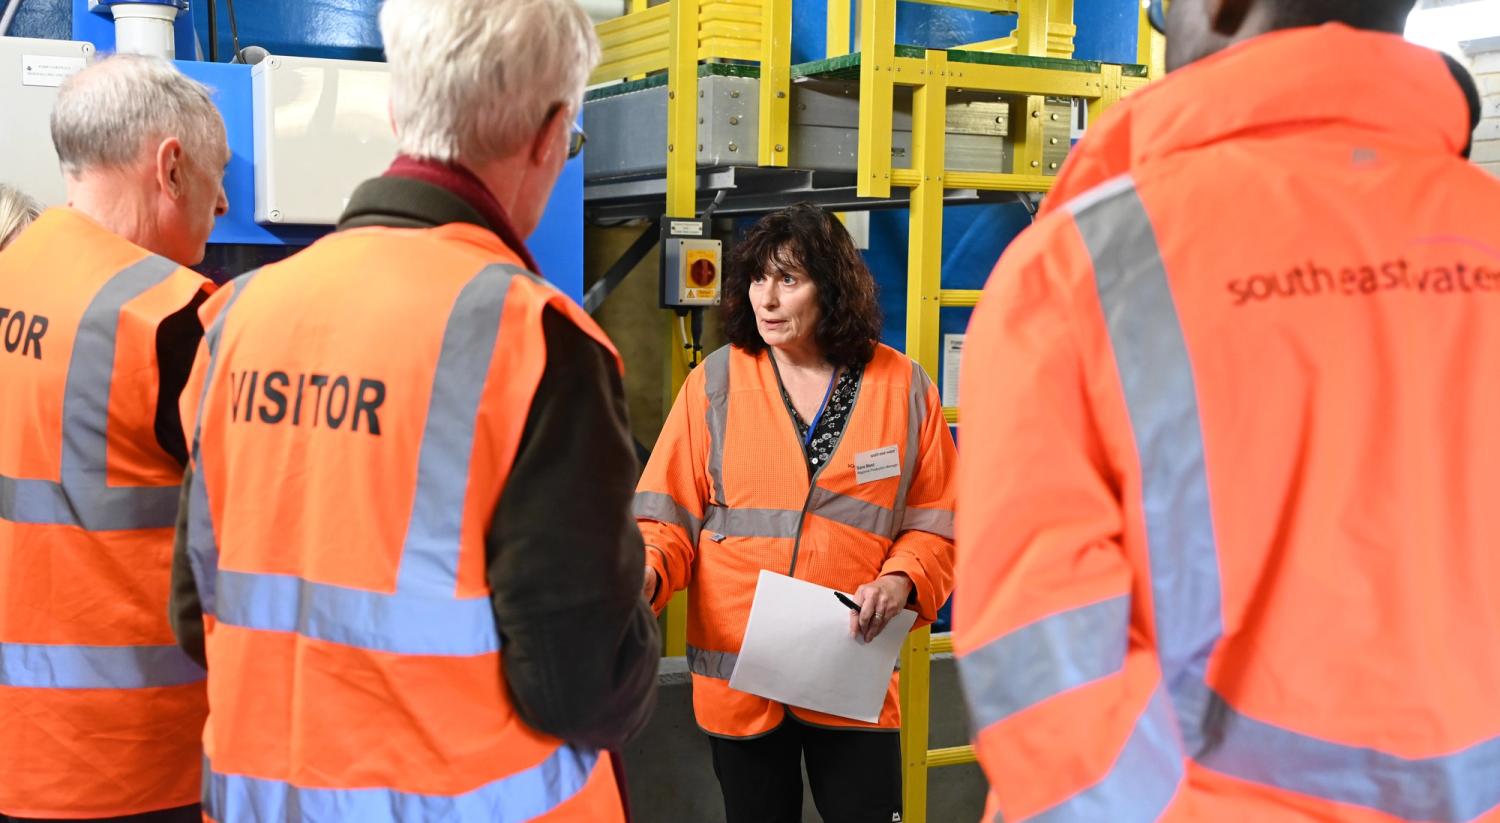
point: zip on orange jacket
(727, 494)
(336, 521)
(1227, 545)
(100, 712)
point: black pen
(853, 607)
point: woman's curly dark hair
(808, 239)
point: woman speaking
(807, 448)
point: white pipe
(145, 28)
(10, 14)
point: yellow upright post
(924, 286)
(837, 39)
(1031, 40)
(682, 201)
(877, 48)
(682, 110)
(682, 153)
(1032, 28)
(924, 258)
(775, 80)
(916, 706)
(1060, 29)
(638, 6)
(1110, 77)
(1151, 48)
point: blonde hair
(474, 80)
(17, 210)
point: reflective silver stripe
(82, 495)
(1451, 788)
(526, 795)
(935, 521)
(43, 666)
(851, 511)
(1140, 784)
(1157, 377)
(916, 416)
(1044, 659)
(716, 386)
(753, 522)
(429, 557)
(663, 507)
(400, 624)
(718, 665)
(202, 545)
(1156, 373)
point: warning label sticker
(48, 70)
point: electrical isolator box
(692, 264)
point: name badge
(877, 464)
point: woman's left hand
(879, 601)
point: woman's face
(785, 300)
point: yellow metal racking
(1033, 63)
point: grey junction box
(321, 128)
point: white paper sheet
(798, 651)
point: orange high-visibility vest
(100, 712)
(361, 403)
(1227, 523)
(726, 494)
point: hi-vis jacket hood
(1305, 76)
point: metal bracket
(600, 291)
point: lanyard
(813, 427)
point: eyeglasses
(576, 139)
(1157, 14)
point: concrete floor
(671, 774)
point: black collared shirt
(836, 411)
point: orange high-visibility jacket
(1227, 531)
(353, 655)
(726, 494)
(100, 712)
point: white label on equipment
(687, 227)
(877, 464)
(47, 70)
(953, 349)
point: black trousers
(855, 775)
(181, 814)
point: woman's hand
(648, 586)
(879, 601)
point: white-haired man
(100, 713)
(409, 448)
